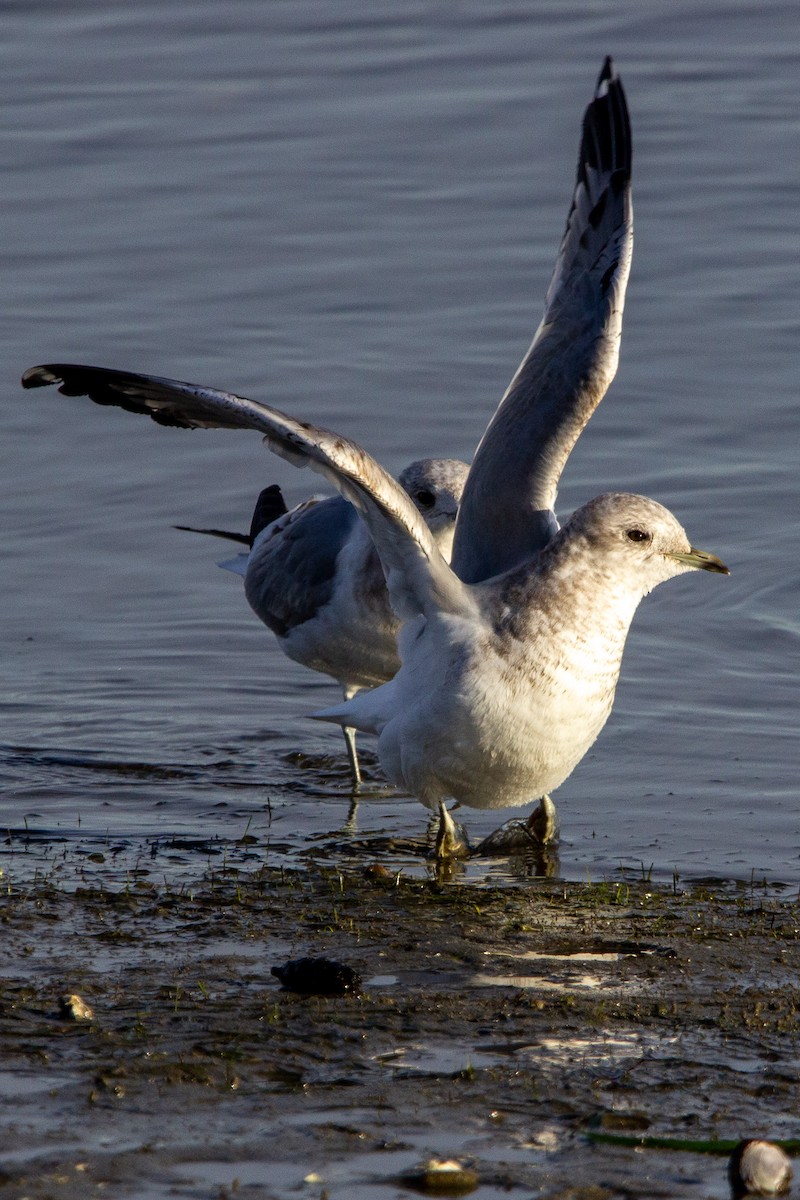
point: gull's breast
(508, 720)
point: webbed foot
(540, 830)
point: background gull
(510, 660)
(313, 576)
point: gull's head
(638, 540)
(435, 485)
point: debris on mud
(759, 1168)
(74, 1008)
(317, 977)
(439, 1177)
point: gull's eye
(425, 499)
(638, 535)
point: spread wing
(506, 512)
(418, 578)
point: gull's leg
(352, 755)
(451, 840)
(350, 742)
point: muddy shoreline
(505, 1027)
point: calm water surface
(354, 214)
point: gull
(511, 655)
(313, 576)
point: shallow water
(355, 217)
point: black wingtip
(38, 377)
(74, 379)
(607, 72)
(229, 536)
(606, 142)
(269, 506)
(143, 394)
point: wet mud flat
(547, 1035)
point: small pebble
(759, 1168)
(318, 977)
(439, 1177)
(74, 1008)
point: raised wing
(506, 512)
(417, 577)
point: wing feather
(507, 510)
(417, 576)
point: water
(355, 215)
